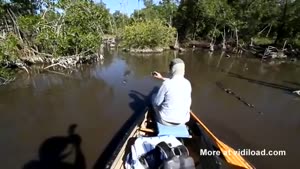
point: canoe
(143, 125)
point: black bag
(163, 156)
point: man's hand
(158, 75)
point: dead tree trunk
(237, 37)
(251, 42)
(269, 30)
(176, 45)
(212, 43)
(224, 40)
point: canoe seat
(180, 131)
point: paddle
(232, 158)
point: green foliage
(120, 20)
(167, 10)
(203, 18)
(28, 23)
(263, 41)
(5, 73)
(65, 27)
(270, 18)
(164, 11)
(296, 40)
(149, 13)
(148, 34)
(9, 48)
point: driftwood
(229, 91)
(14, 64)
(66, 62)
(271, 52)
(297, 92)
(71, 61)
(144, 51)
(4, 81)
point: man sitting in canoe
(173, 101)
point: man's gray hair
(177, 67)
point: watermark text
(243, 152)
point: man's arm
(160, 96)
(158, 76)
(162, 78)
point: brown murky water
(100, 98)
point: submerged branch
(229, 91)
(59, 73)
(22, 66)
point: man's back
(177, 100)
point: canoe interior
(144, 126)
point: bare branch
(45, 54)
(13, 18)
(55, 64)
(263, 30)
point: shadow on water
(268, 84)
(54, 151)
(140, 101)
(293, 83)
(138, 105)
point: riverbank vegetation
(61, 33)
(236, 26)
(148, 35)
(47, 31)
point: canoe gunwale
(111, 152)
(206, 143)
